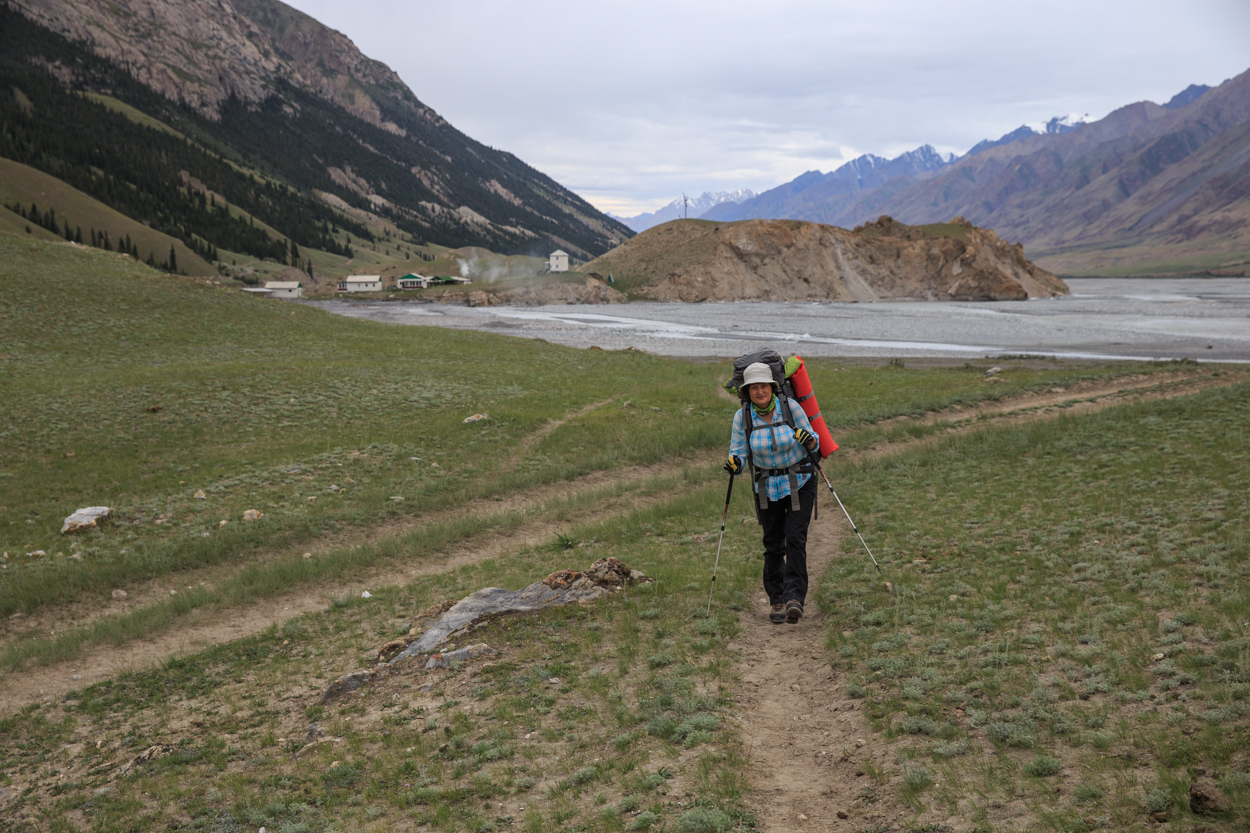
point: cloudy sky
(631, 103)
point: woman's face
(761, 393)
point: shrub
(1011, 734)
(1042, 766)
(1158, 800)
(917, 779)
(645, 821)
(705, 820)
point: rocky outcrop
(790, 260)
(204, 53)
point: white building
(413, 282)
(361, 283)
(285, 289)
(558, 262)
(258, 290)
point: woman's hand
(805, 438)
(733, 465)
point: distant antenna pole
(685, 206)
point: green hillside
(84, 219)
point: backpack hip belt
(790, 472)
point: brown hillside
(792, 260)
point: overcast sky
(629, 104)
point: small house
(285, 289)
(361, 283)
(449, 280)
(411, 281)
(263, 291)
(558, 262)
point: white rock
(200, 495)
(253, 515)
(119, 594)
(366, 595)
(85, 518)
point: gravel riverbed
(1105, 318)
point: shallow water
(1104, 318)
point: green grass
(23, 184)
(135, 115)
(1068, 597)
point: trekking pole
(723, 518)
(844, 512)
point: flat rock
(607, 575)
(346, 683)
(460, 655)
(85, 519)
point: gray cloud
(630, 103)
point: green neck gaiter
(763, 412)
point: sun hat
(758, 373)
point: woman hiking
(785, 491)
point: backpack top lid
(781, 369)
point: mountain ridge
(291, 104)
(1130, 188)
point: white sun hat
(757, 373)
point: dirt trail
(805, 739)
(212, 625)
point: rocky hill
(792, 260)
(256, 104)
(1148, 188)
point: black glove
(804, 437)
(733, 465)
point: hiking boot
(778, 614)
(794, 610)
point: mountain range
(1148, 189)
(685, 208)
(247, 126)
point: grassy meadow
(1039, 570)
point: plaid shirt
(773, 446)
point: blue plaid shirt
(773, 446)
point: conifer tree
(173, 259)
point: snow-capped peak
(1061, 124)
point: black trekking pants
(785, 545)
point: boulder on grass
(85, 519)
